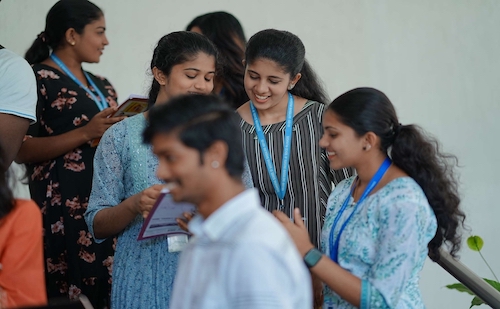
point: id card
(177, 243)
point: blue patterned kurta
(143, 271)
(384, 244)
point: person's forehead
(165, 141)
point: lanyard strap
(101, 104)
(334, 245)
(279, 187)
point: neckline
(390, 183)
(61, 72)
(229, 213)
(304, 109)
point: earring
(367, 147)
(291, 86)
(72, 43)
(215, 164)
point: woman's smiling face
(266, 83)
(343, 145)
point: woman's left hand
(296, 229)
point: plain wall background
(438, 61)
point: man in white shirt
(240, 256)
(18, 98)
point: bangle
(312, 257)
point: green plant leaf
(475, 243)
(476, 301)
(493, 283)
(459, 287)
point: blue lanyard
(279, 188)
(334, 246)
(101, 104)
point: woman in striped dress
(286, 105)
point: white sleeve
(18, 88)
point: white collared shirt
(241, 257)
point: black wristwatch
(312, 257)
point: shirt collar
(224, 217)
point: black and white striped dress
(310, 179)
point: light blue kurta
(143, 271)
(384, 243)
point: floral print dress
(74, 263)
(384, 244)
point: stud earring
(215, 164)
(72, 43)
(367, 147)
(291, 86)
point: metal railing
(468, 278)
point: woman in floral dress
(72, 111)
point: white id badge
(177, 242)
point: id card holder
(177, 242)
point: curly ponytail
(418, 155)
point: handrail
(468, 278)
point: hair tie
(397, 129)
(42, 36)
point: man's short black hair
(199, 121)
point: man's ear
(217, 152)
(159, 76)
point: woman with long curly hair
(381, 224)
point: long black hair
(412, 150)
(288, 51)
(226, 32)
(176, 48)
(6, 198)
(63, 15)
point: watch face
(312, 257)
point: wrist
(305, 248)
(136, 204)
(85, 134)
